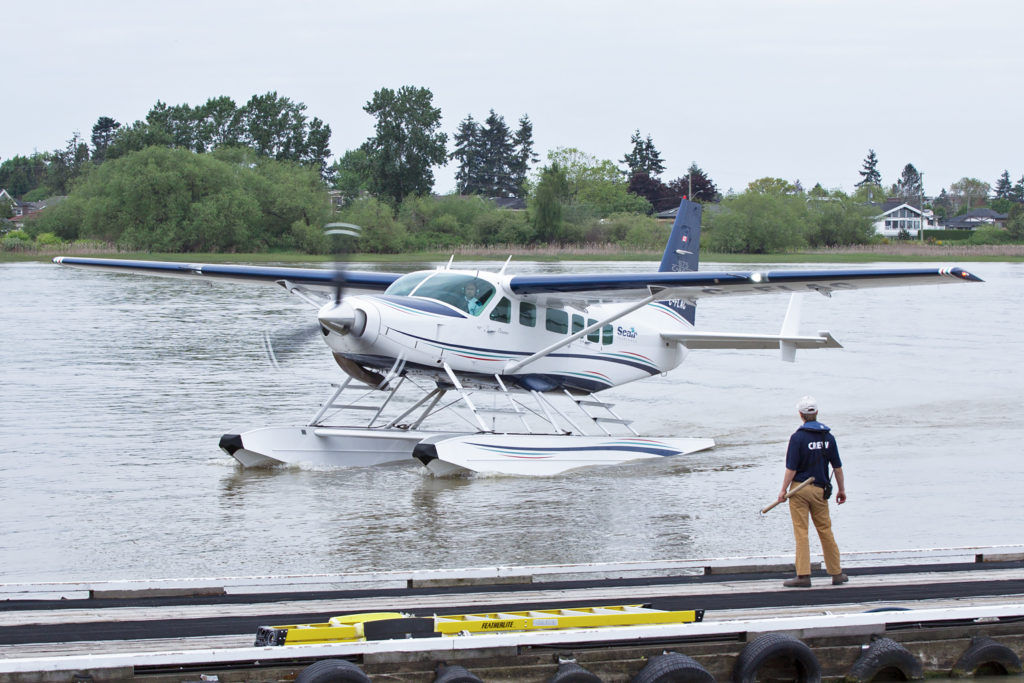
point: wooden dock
(937, 605)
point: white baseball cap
(808, 405)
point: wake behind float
(390, 625)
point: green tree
(174, 200)
(407, 144)
(102, 135)
(20, 175)
(1015, 223)
(551, 192)
(351, 175)
(644, 158)
(758, 223)
(772, 186)
(219, 124)
(968, 193)
(276, 127)
(596, 188)
(137, 137)
(1004, 186)
(381, 233)
(869, 174)
(835, 220)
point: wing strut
(515, 367)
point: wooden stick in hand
(805, 482)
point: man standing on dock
(812, 448)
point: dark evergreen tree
(695, 185)
(660, 195)
(1017, 193)
(869, 173)
(523, 155)
(496, 167)
(644, 158)
(1004, 186)
(102, 135)
(66, 164)
(468, 153)
(910, 186)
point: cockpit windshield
(465, 292)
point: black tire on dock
(986, 656)
(673, 667)
(332, 671)
(774, 647)
(883, 654)
(571, 672)
(454, 674)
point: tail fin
(682, 253)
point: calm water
(116, 389)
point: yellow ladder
(376, 625)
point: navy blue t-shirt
(809, 449)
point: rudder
(682, 252)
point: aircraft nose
(342, 318)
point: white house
(898, 216)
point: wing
(317, 278)
(597, 287)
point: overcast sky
(798, 89)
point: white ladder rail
(564, 416)
(465, 396)
(599, 421)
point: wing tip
(960, 273)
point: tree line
(222, 177)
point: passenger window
(594, 336)
(577, 323)
(527, 314)
(502, 312)
(557, 320)
(606, 335)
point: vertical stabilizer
(682, 253)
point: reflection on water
(116, 389)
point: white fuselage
(427, 321)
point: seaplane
(520, 358)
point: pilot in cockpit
(471, 304)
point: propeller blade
(342, 234)
(280, 346)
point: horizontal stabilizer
(725, 340)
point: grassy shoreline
(866, 254)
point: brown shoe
(798, 582)
(839, 579)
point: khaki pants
(810, 500)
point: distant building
(900, 216)
(975, 218)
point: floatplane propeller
(519, 359)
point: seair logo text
(628, 334)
